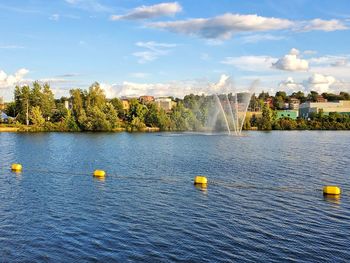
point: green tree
(136, 110)
(118, 106)
(111, 115)
(36, 117)
(47, 103)
(266, 119)
(22, 102)
(95, 97)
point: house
(307, 108)
(146, 99)
(294, 104)
(3, 117)
(126, 104)
(68, 104)
(319, 98)
(165, 103)
(269, 102)
(292, 114)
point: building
(146, 99)
(3, 117)
(165, 103)
(319, 98)
(269, 102)
(126, 104)
(292, 114)
(294, 104)
(68, 104)
(308, 108)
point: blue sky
(135, 47)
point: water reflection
(334, 199)
(202, 187)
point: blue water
(264, 200)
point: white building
(165, 103)
(306, 108)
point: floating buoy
(16, 167)
(200, 180)
(331, 190)
(99, 173)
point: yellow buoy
(200, 180)
(99, 173)
(331, 190)
(16, 167)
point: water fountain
(233, 106)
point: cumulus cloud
(223, 26)
(172, 88)
(292, 62)
(153, 51)
(322, 25)
(250, 63)
(152, 11)
(340, 63)
(316, 82)
(320, 83)
(7, 81)
(289, 86)
(132, 89)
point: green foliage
(265, 122)
(36, 117)
(89, 110)
(118, 106)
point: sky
(160, 48)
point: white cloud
(316, 82)
(340, 63)
(8, 81)
(153, 51)
(226, 25)
(172, 88)
(204, 56)
(88, 5)
(55, 17)
(290, 86)
(152, 11)
(310, 52)
(323, 25)
(320, 83)
(261, 37)
(292, 62)
(223, 26)
(139, 75)
(330, 60)
(250, 63)
(11, 47)
(222, 85)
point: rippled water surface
(264, 200)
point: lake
(264, 200)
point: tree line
(90, 110)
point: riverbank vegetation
(35, 109)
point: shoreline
(30, 129)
